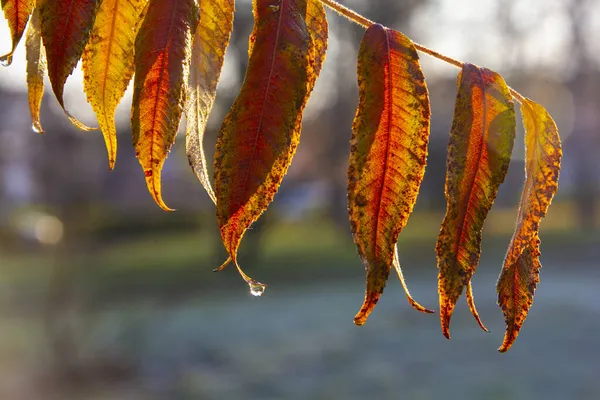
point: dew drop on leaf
(6, 60)
(257, 288)
(37, 128)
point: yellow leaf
(479, 152)
(520, 272)
(107, 63)
(36, 69)
(208, 53)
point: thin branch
(439, 56)
(348, 13)
(518, 96)
(365, 23)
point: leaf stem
(365, 23)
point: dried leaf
(66, 26)
(479, 151)
(261, 131)
(388, 154)
(208, 53)
(162, 59)
(520, 272)
(17, 14)
(36, 69)
(107, 63)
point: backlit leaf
(388, 154)
(479, 151)
(107, 63)
(520, 272)
(471, 303)
(66, 26)
(17, 14)
(162, 59)
(36, 69)
(261, 131)
(208, 53)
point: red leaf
(66, 26)
(261, 131)
(162, 62)
(388, 154)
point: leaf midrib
(107, 63)
(157, 96)
(388, 87)
(262, 111)
(460, 240)
(521, 215)
(62, 47)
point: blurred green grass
(130, 289)
(181, 261)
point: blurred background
(105, 296)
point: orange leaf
(36, 69)
(66, 26)
(208, 53)
(261, 131)
(107, 63)
(479, 151)
(388, 153)
(520, 272)
(17, 14)
(162, 61)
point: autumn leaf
(66, 26)
(208, 53)
(411, 301)
(162, 59)
(520, 272)
(471, 304)
(36, 69)
(260, 133)
(479, 151)
(107, 63)
(17, 14)
(388, 153)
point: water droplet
(257, 288)
(37, 128)
(6, 60)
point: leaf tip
(446, 330)
(371, 299)
(411, 300)
(471, 303)
(78, 124)
(222, 267)
(153, 183)
(427, 310)
(507, 344)
(445, 316)
(509, 338)
(111, 151)
(418, 306)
